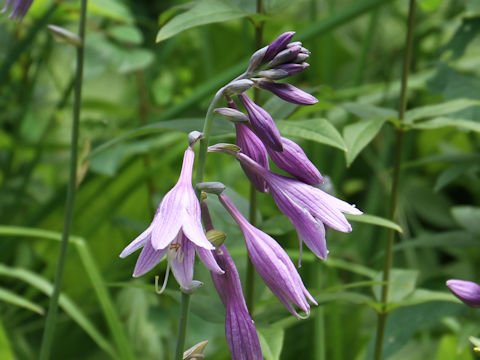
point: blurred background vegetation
(140, 99)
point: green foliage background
(141, 98)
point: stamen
(165, 280)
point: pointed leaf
(448, 122)
(271, 342)
(436, 110)
(204, 12)
(374, 220)
(318, 130)
(359, 135)
(367, 111)
(17, 300)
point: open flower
(272, 264)
(19, 8)
(176, 230)
(467, 291)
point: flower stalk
(48, 333)
(382, 315)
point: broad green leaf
(451, 174)
(17, 300)
(318, 130)
(448, 349)
(6, 352)
(112, 9)
(441, 109)
(126, 34)
(448, 122)
(271, 342)
(134, 59)
(374, 220)
(421, 296)
(402, 284)
(455, 239)
(468, 217)
(204, 12)
(369, 112)
(359, 135)
(65, 303)
(430, 5)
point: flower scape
(176, 230)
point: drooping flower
(287, 92)
(176, 230)
(242, 337)
(272, 264)
(19, 8)
(467, 291)
(262, 124)
(294, 161)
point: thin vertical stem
(182, 328)
(71, 190)
(382, 315)
(250, 278)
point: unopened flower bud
(62, 35)
(194, 136)
(257, 59)
(294, 43)
(212, 187)
(288, 92)
(274, 74)
(196, 351)
(216, 237)
(301, 57)
(225, 148)
(467, 291)
(285, 56)
(292, 68)
(238, 87)
(278, 45)
(233, 115)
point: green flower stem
(382, 314)
(48, 333)
(182, 328)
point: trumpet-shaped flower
(176, 230)
(19, 7)
(307, 207)
(467, 291)
(240, 329)
(272, 264)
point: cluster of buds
(176, 229)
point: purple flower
(467, 291)
(277, 45)
(287, 92)
(307, 207)
(272, 263)
(176, 230)
(294, 161)
(20, 8)
(254, 148)
(262, 124)
(240, 329)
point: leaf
(271, 342)
(430, 5)
(359, 135)
(468, 217)
(454, 239)
(448, 122)
(204, 12)
(112, 9)
(402, 284)
(374, 220)
(126, 34)
(134, 59)
(14, 299)
(318, 130)
(421, 296)
(451, 174)
(6, 352)
(367, 111)
(437, 110)
(65, 303)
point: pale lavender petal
(149, 257)
(278, 45)
(288, 92)
(467, 291)
(181, 256)
(207, 258)
(262, 124)
(169, 219)
(253, 147)
(192, 228)
(187, 167)
(137, 243)
(294, 161)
